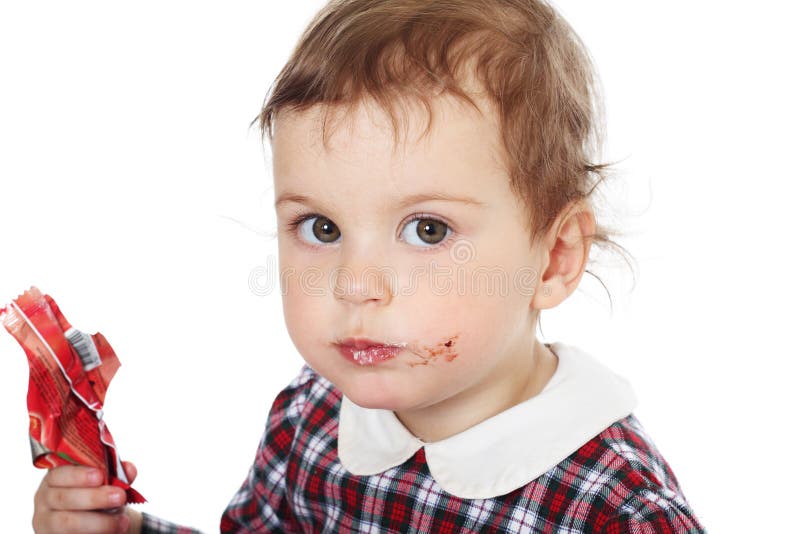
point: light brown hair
(534, 69)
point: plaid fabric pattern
(615, 483)
(154, 525)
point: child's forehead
(365, 132)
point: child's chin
(377, 398)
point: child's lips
(368, 354)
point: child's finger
(73, 476)
(105, 497)
(130, 471)
(82, 523)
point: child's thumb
(130, 471)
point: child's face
(381, 257)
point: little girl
(414, 266)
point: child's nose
(359, 279)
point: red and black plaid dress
(615, 482)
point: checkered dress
(615, 483)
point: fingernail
(124, 522)
(115, 497)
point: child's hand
(69, 500)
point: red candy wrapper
(69, 374)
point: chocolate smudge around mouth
(431, 353)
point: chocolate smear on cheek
(431, 353)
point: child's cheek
(476, 315)
(303, 296)
(309, 325)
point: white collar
(506, 451)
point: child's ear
(564, 254)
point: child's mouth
(364, 354)
(365, 351)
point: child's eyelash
(421, 215)
(300, 218)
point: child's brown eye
(425, 230)
(322, 229)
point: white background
(125, 156)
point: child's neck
(470, 407)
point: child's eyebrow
(402, 203)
